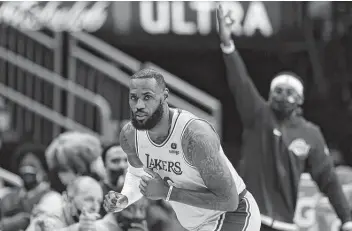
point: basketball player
(183, 163)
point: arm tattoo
(201, 146)
(127, 139)
(127, 142)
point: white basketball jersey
(169, 161)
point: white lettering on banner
(305, 215)
(203, 10)
(161, 23)
(33, 16)
(257, 18)
(237, 14)
(171, 17)
(180, 25)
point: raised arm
(201, 146)
(323, 172)
(247, 97)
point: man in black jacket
(278, 143)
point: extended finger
(141, 187)
(220, 11)
(142, 190)
(145, 178)
(143, 183)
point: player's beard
(150, 122)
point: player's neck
(163, 127)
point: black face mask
(115, 175)
(29, 180)
(283, 107)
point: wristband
(347, 225)
(228, 49)
(169, 193)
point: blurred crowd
(64, 186)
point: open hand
(225, 22)
(154, 187)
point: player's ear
(166, 93)
(300, 100)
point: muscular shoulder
(127, 142)
(127, 139)
(201, 146)
(199, 137)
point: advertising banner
(175, 25)
(314, 211)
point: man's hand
(225, 25)
(87, 221)
(115, 202)
(138, 226)
(153, 188)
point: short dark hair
(149, 73)
(36, 149)
(106, 149)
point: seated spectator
(80, 205)
(75, 153)
(70, 155)
(115, 162)
(17, 205)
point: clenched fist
(152, 186)
(115, 202)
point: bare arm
(201, 146)
(135, 166)
(127, 142)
